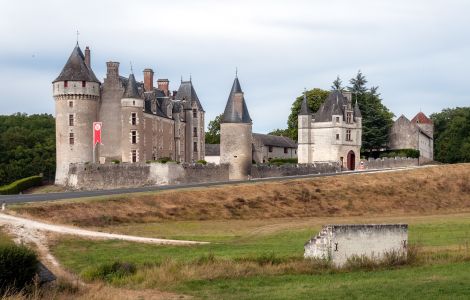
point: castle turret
(132, 118)
(76, 93)
(304, 133)
(235, 135)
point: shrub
(202, 161)
(164, 160)
(413, 153)
(116, 161)
(109, 271)
(20, 185)
(18, 266)
(282, 161)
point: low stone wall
(337, 243)
(112, 176)
(386, 163)
(264, 171)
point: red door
(351, 160)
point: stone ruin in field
(338, 243)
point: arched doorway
(351, 160)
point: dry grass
(433, 190)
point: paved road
(82, 194)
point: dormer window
(66, 84)
(337, 119)
(83, 83)
(194, 113)
(349, 118)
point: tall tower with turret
(235, 135)
(304, 133)
(76, 93)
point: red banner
(96, 132)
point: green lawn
(4, 238)
(232, 240)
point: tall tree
(452, 135)
(337, 84)
(358, 84)
(213, 131)
(280, 132)
(315, 98)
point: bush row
(20, 185)
(413, 153)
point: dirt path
(25, 227)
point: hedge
(413, 153)
(18, 266)
(282, 161)
(20, 185)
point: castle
(140, 122)
(333, 133)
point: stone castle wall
(389, 163)
(264, 171)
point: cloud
(414, 50)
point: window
(134, 137)
(66, 84)
(134, 156)
(83, 83)
(195, 132)
(285, 149)
(270, 148)
(348, 118)
(194, 113)
(348, 135)
(70, 103)
(71, 138)
(195, 146)
(71, 120)
(134, 118)
(337, 136)
(337, 119)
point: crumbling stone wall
(386, 163)
(264, 170)
(338, 243)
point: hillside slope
(438, 189)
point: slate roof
(187, 92)
(212, 149)
(75, 68)
(132, 90)
(304, 109)
(231, 113)
(421, 118)
(357, 111)
(274, 140)
(332, 106)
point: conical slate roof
(357, 111)
(236, 113)
(75, 69)
(304, 109)
(132, 91)
(332, 106)
(187, 92)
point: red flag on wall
(96, 132)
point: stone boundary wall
(264, 170)
(125, 175)
(387, 163)
(338, 243)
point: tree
(452, 135)
(315, 99)
(27, 146)
(358, 84)
(337, 85)
(213, 131)
(280, 132)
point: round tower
(132, 118)
(76, 93)
(236, 135)
(304, 135)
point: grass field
(4, 238)
(262, 259)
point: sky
(417, 51)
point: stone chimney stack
(148, 80)
(163, 85)
(112, 70)
(87, 57)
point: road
(9, 199)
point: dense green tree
(27, 146)
(315, 99)
(358, 84)
(213, 131)
(337, 85)
(280, 132)
(452, 135)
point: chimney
(163, 85)
(148, 80)
(87, 57)
(112, 70)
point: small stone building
(415, 134)
(140, 121)
(333, 133)
(266, 147)
(338, 243)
